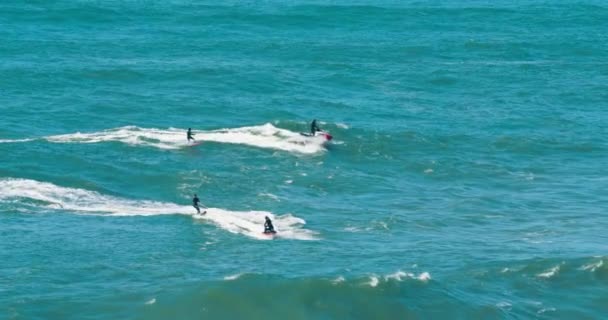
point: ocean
(466, 178)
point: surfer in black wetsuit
(190, 135)
(195, 204)
(314, 128)
(268, 227)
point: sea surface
(467, 177)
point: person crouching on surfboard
(268, 227)
(190, 135)
(195, 204)
(314, 128)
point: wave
(263, 136)
(398, 276)
(579, 270)
(43, 195)
(549, 273)
(371, 280)
(240, 295)
(593, 266)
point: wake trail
(44, 195)
(264, 136)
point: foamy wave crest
(49, 196)
(398, 276)
(549, 273)
(233, 277)
(14, 140)
(263, 136)
(401, 275)
(593, 266)
(337, 280)
(373, 281)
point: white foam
(51, 196)
(151, 301)
(352, 229)
(337, 280)
(425, 276)
(263, 136)
(541, 311)
(85, 201)
(549, 273)
(269, 195)
(373, 281)
(266, 136)
(15, 140)
(400, 275)
(232, 277)
(207, 244)
(250, 223)
(342, 125)
(593, 266)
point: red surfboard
(270, 234)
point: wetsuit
(195, 202)
(190, 135)
(268, 227)
(314, 128)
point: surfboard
(323, 134)
(196, 143)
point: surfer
(314, 128)
(190, 135)
(268, 227)
(195, 204)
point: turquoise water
(466, 178)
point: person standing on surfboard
(195, 204)
(190, 135)
(268, 227)
(314, 128)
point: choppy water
(467, 178)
